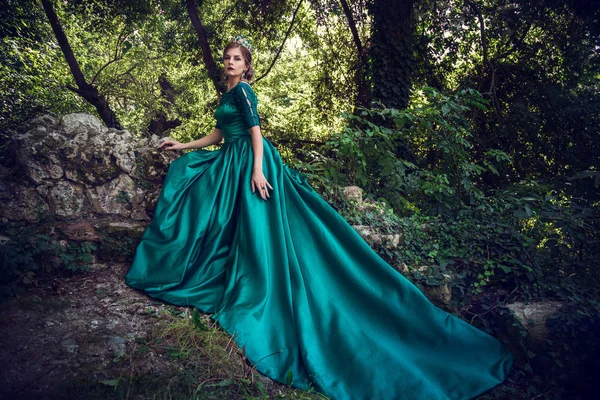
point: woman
(239, 234)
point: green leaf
(505, 268)
(445, 109)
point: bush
(25, 252)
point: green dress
(294, 283)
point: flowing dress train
(296, 285)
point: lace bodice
(236, 112)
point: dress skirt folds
(294, 283)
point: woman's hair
(247, 57)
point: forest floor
(89, 336)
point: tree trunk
(363, 90)
(160, 123)
(391, 51)
(209, 62)
(87, 91)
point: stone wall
(78, 178)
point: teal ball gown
(294, 283)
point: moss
(143, 183)
(96, 167)
(118, 242)
(141, 165)
(123, 197)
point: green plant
(25, 252)
(418, 155)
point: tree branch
(363, 91)
(88, 91)
(353, 29)
(287, 34)
(486, 60)
(229, 12)
(102, 68)
(484, 46)
(116, 57)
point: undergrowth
(25, 253)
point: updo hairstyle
(247, 58)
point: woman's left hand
(259, 182)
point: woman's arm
(258, 178)
(246, 103)
(257, 148)
(212, 138)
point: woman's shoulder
(244, 89)
(244, 86)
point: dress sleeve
(246, 101)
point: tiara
(244, 41)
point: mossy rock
(119, 240)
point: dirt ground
(72, 335)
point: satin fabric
(295, 285)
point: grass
(215, 364)
(202, 360)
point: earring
(244, 75)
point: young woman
(239, 234)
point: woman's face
(234, 62)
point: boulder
(376, 238)
(533, 317)
(353, 193)
(436, 286)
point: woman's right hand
(171, 145)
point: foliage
(537, 64)
(477, 245)
(423, 158)
(118, 244)
(424, 166)
(32, 76)
(24, 253)
(143, 57)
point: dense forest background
(475, 122)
